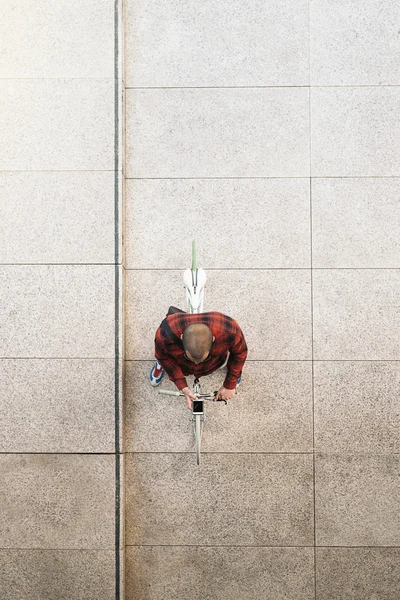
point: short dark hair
(197, 340)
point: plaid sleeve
(237, 358)
(169, 364)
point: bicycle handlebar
(209, 396)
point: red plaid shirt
(228, 337)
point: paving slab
(51, 40)
(174, 572)
(57, 574)
(357, 500)
(356, 222)
(57, 124)
(57, 405)
(229, 500)
(63, 217)
(231, 44)
(51, 311)
(271, 411)
(267, 224)
(358, 573)
(231, 132)
(356, 407)
(356, 314)
(355, 131)
(54, 501)
(272, 307)
(354, 43)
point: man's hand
(189, 397)
(225, 394)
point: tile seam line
(290, 177)
(117, 463)
(261, 87)
(312, 299)
(267, 269)
(246, 546)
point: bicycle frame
(197, 417)
(194, 280)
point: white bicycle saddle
(195, 282)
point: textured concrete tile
(221, 44)
(277, 327)
(68, 404)
(275, 419)
(46, 39)
(355, 131)
(57, 124)
(156, 573)
(57, 311)
(354, 43)
(356, 223)
(358, 573)
(57, 501)
(356, 314)
(357, 500)
(238, 132)
(231, 499)
(267, 224)
(356, 406)
(57, 574)
(57, 217)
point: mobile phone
(198, 408)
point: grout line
(266, 177)
(62, 453)
(116, 309)
(205, 452)
(66, 264)
(306, 360)
(275, 269)
(248, 546)
(57, 171)
(312, 306)
(107, 358)
(256, 87)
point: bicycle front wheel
(197, 436)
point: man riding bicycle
(199, 344)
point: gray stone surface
(266, 225)
(196, 573)
(57, 217)
(354, 43)
(57, 574)
(274, 417)
(236, 44)
(57, 124)
(357, 500)
(229, 500)
(45, 39)
(358, 573)
(57, 405)
(57, 501)
(356, 314)
(239, 132)
(356, 406)
(57, 311)
(355, 131)
(273, 308)
(356, 222)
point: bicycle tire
(197, 437)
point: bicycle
(194, 283)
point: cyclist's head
(197, 340)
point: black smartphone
(198, 408)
